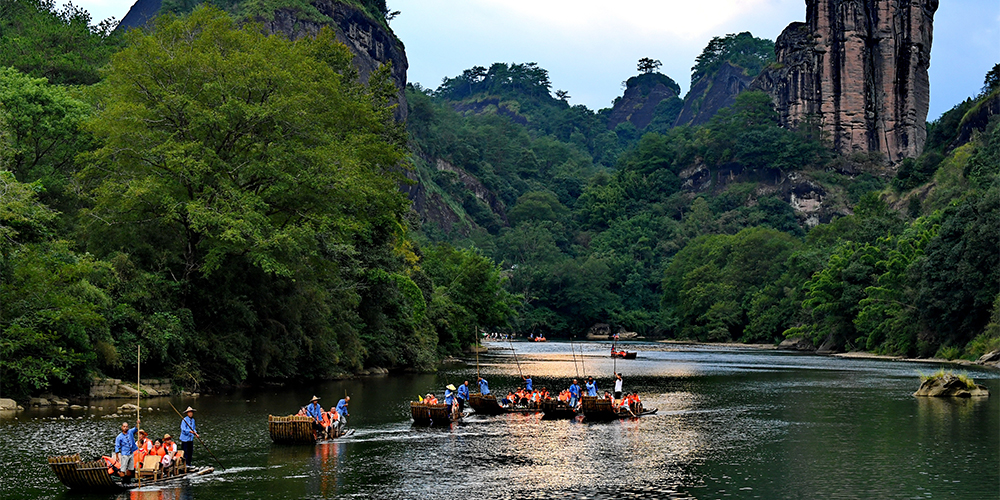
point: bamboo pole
(138, 389)
(511, 342)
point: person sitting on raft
(169, 451)
(315, 411)
(430, 399)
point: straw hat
(315, 398)
(189, 409)
(450, 387)
(166, 436)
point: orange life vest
(113, 465)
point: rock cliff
(711, 93)
(642, 100)
(371, 42)
(858, 70)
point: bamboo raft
(426, 414)
(600, 409)
(295, 429)
(92, 476)
(486, 404)
(623, 355)
(553, 409)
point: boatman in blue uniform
(314, 410)
(527, 382)
(591, 387)
(463, 395)
(484, 388)
(342, 411)
(449, 395)
(125, 447)
(574, 393)
(189, 431)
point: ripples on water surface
(732, 423)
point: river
(732, 423)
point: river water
(732, 423)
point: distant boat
(428, 414)
(623, 354)
(541, 339)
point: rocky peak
(858, 70)
(642, 95)
(711, 93)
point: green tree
(261, 179)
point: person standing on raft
(342, 411)
(527, 382)
(463, 395)
(618, 386)
(189, 431)
(124, 448)
(591, 387)
(484, 387)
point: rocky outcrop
(7, 404)
(978, 117)
(858, 70)
(371, 42)
(991, 359)
(476, 188)
(643, 94)
(950, 385)
(711, 93)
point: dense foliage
(742, 50)
(691, 233)
(230, 202)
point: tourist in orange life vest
(144, 447)
(169, 450)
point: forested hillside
(238, 225)
(735, 230)
(245, 209)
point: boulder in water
(951, 385)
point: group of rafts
(429, 411)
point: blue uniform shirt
(527, 383)
(315, 411)
(125, 443)
(463, 392)
(484, 388)
(342, 407)
(188, 429)
(574, 390)
(592, 388)
(449, 397)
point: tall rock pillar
(858, 70)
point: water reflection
(731, 422)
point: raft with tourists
(603, 409)
(298, 429)
(95, 476)
(425, 413)
(555, 409)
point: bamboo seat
(150, 468)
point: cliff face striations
(858, 70)
(371, 43)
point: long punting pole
(511, 342)
(582, 366)
(138, 388)
(199, 439)
(475, 331)
(572, 349)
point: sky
(590, 47)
